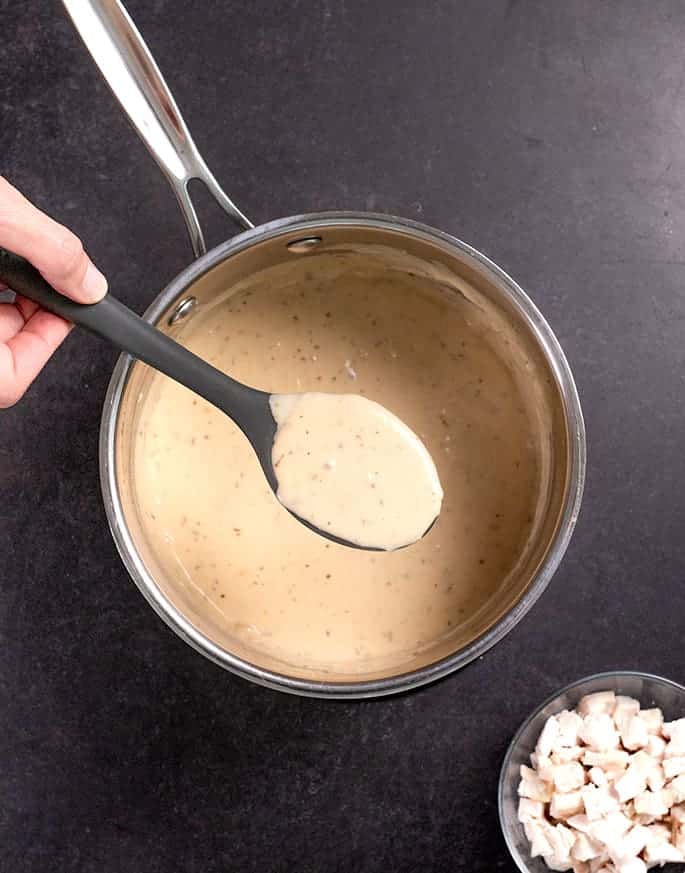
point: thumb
(51, 248)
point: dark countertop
(549, 135)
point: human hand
(29, 334)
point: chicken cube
(630, 784)
(585, 848)
(625, 708)
(674, 767)
(565, 805)
(561, 839)
(610, 829)
(598, 776)
(656, 747)
(543, 766)
(563, 755)
(548, 737)
(658, 833)
(613, 761)
(530, 809)
(598, 732)
(580, 866)
(654, 719)
(630, 845)
(677, 788)
(654, 803)
(598, 802)
(569, 724)
(674, 731)
(533, 787)
(634, 734)
(641, 763)
(580, 823)
(569, 777)
(601, 702)
(537, 832)
(656, 778)
(663, 853)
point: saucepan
(299, 243)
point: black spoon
(248, 407)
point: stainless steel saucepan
(128, 67)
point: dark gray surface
(551, 136)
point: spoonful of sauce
(343, 465)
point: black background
(551, 135)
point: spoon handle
(113, 321)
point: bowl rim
(559, 541)
(604, 674)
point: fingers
(51, 248)
(25, 352)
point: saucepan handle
(131, 72)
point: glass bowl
(649, 690)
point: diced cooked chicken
(544, 767)
(656, 747)
(565, 805)
(533, 787)
(537, 835)
(656, 778)
(597, 703)
(585, 848)
(658, 833)
(598, 732)
(610, 829)
(598, 776)
(663, 853)
(677, 788)
(634, 734)
(654, 718)
(606, 793)
(630, 784)
(563, 754)
(569, 724)
(569, 777)
(630, 844)
(548, 737)
(640, 762)
(674, 729)
(654, 803)
(598, 802)
(613, 761)
(674, 767)
(530, 810)
(625, 708)
(562, 839)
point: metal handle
(131, 72)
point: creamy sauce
(353, 469)
(230, 552)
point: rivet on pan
(306, 244)
(183, 310)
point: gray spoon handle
(113, 321)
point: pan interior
(426, 331)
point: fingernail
(94, 284)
